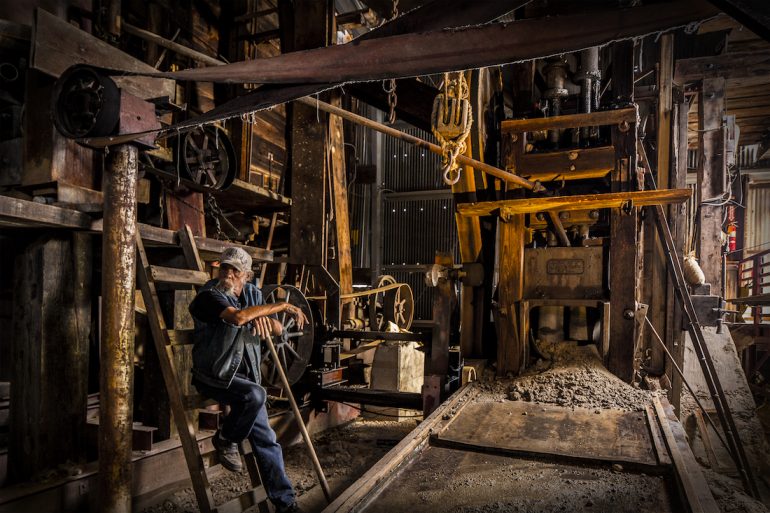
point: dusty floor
(459, 481)
(345, 453)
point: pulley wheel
(398, 306)
(208, 157)
(294, 346)
(85, 103)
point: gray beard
(225, 288)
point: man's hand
(262, 326)
(297, 313)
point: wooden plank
(57, 45)
(447, 50)
(404, 451)
(511, 346)
(243, 502)
(190, 249)
(579, 202)
(695, 490)
(656, 436)
(743, 65)
(48, 337)
(185, 208)
(751, 13)
(32, 214)
(181, 276)
(341, 214)
(520, 428)
(251, 198)
(607, 117)
(711, 178)
(577, 164)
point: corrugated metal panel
(409, 168)
(757, 229)
(414, 229)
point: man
(230, 320)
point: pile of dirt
(345, 452)
(570, 375)
(730, 496)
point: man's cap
(236, 257)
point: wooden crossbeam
(567, 165)
(730, 66)
(568, 203)
(450, 50)
(607, 117)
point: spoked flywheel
(294, 346)
(208, 157)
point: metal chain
(390, 88)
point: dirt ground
(458, 481)
(345, 452)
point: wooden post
(678, 224)
(341, 215)
(49, 354)
(624, 242)
(306, 127)
(661, 288)
(511, 349)
(711, 177)
(117, 342)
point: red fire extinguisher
(732, 239)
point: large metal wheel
(294, 346)
(209, 157)
(85, 103)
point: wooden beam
(711, 178)
(32, 214)
(729, 66)
(575, 164)
(625, 248)
(579, 202)
(607, 117)
(511, 347)
(58, 45)
(751, 13)
(306, 143)
(341, 215)
(450, 50)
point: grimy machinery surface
(477, 454)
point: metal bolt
(628, 314)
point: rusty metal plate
(564, 273)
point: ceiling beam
(451, 50)
(754, 14)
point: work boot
(228, 453)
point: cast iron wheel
(398, 306)
(294, 346)
(85, 103)
(209, 157)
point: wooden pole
(174, 47)
(117, 344)
(300, 423)
(421, 143)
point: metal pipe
(561, 234)
(117, 319)
(174, 47)
(298, 418)
(462, 159)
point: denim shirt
(219, 347)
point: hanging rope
(451, 124)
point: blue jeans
(248, 419)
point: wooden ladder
(148, 275)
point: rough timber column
(117, 341)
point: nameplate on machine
(565, 266)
